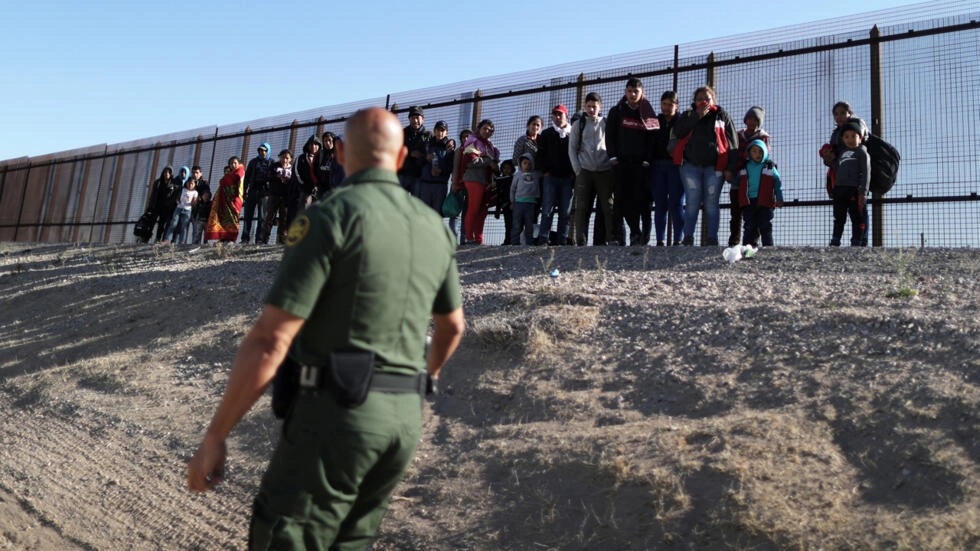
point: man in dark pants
(629, 135)
(348, 259)
(257, 177)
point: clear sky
(78, 74)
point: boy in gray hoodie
(524, 193)
(593, 171)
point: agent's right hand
(207, 468)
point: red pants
(476, 212)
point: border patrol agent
(364, 271)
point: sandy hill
(642, 399)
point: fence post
(246, 141)
(292, 136)
(579, 93)
(677, 68)
(709, 79)
(477, 110)
(877, 127)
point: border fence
(912, 73)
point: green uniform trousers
(333, 472)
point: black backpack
(884, 164)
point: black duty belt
(311, 377)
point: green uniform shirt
(367, 267)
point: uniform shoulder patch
(297, 230)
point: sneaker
(688, 242)
(661, 244)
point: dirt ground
(645, 398)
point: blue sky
(78, 74)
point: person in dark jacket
(258, 176)
(416, 140)
(282, 174)
(850, 185)
(202, 209)
(439, 165)
(304, 188)
(163, 199)
(629, 133)
(706, 151)
(553, 163)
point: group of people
(260, 195)
(622, 166)
(635, 168)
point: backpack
(884, 164)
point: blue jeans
(702, 184)
(556, 192)
(522, 223)
(668, 196)
(178, 225)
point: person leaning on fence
(850, 185)
(753, 120)
(844, 115)
(707, 152)
(760, 192)
(593, 173)
(348, 259)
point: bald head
(372, 139)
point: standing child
(753, 120)
(850, 186)
(182, 214)
(760, 192)
(524, 192)
(830, 152)
(504, 206)
(282, 173)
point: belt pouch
(350, 376)
(285, 386)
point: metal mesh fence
(929, 108)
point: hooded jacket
(587, 145)
(853, 169)
(258, 174)
(760, 180)
(166, 192)
(524, 188)
(441, 158)
(306, 176)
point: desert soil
(645, 398)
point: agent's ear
(402, 155)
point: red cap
(561, 108)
